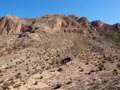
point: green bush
(113, 36)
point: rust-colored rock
(83, 20)
(52, 23)
(10, 24)
(98, 24)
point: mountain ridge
(58, 52)
(61, 21)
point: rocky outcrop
(99, 25)
(56, 22)
(83, 20)
(117, 26)
(12, 24)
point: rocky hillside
(54, 23)
(58, 52)
(14, 24)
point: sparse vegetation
(59, 52)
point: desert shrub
(17, 85)
(113, 36)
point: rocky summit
(58, 52)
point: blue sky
(104, 10)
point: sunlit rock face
(10, 24)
